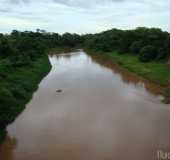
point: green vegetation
(147, 53)
(148, 44)
(24, 62)
(144, 51)
(17, 86)
(157, 72)
(2, 134)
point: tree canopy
(147, 43)
(139, 41)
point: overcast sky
(83, 16)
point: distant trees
(70, 40)
(23, 47)
(148, 43)
(5, 48)
(147, 53)
(136, 47)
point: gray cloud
(80, 3)
(18, 1)
(82, 15)
(84, 3)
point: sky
(83, 16)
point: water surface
(102, 113)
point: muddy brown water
(101, 113)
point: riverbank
(96, 101)
(156, 72)
(17, 87)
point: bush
(147, 53)
(161, 54)
(136, 47)
(6, 98)
(5, 48)
(20, 60)
(7, 104)
(2, 135)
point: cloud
(18, 1)
(73, 3)
(83, 16)
(85, 4)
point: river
(100, 112)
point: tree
(147, 53)
(68, 40)
(136, 46)
(5, 48)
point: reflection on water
(128, 77)
(7, 149)
(102, 113)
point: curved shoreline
(154, 72)
(31, 76)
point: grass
(157, 72)
(17, 86)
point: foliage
(23, 63)
(5, 48)
(23, 60)
(17, 86)
(138, 41)
(136, 46)
(147, 53)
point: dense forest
(147, 43)
(24, 61)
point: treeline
(26, 46)
(147, 43)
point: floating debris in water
(59, 90)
